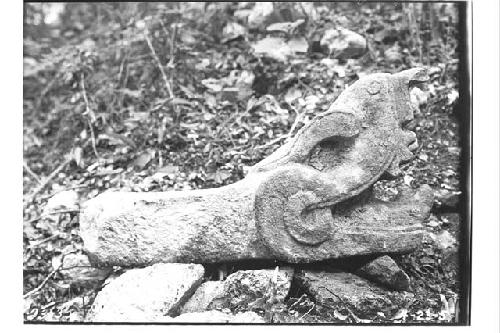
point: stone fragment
(76, 268)
(279, 48)
(64, 200)
(450, 262)
(393, 55)
(447, 202)
(260, 14)
(204, 296)
(215, 316)
(341, 289)
(232, 31)
(146, 294)
(384, 270)
(452, 222)
(246, 290)
(343, 43)
(443, 240)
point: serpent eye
(419, 75)
(374, 87)
(414, 76)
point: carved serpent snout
(294, 203)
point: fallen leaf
(202, 64)
(142, 160)
(232, 31)
(279, 49)
(77, 155)
(408, 179)
(343, 43)
(221, 176)
(259, 14)
(452, 96)
(286, 27)
(131, 93)
(298, 45)
(212, 84)
(292, 94)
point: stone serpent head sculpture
(362, 137)
(306, 202)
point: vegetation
(172, 96)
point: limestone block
(146, 294)
(343, 289)
(203, 296)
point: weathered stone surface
(146, 294)
(215, 316)
(246, 290)
(76, 268)
(300, 204)
(341, 289)
(384, 270)
(343, 43)
(203, 296)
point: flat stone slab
(204, 296)
(146, 294)
(343, 289)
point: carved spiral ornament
(307, 227)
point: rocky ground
(164, 97)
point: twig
(88, 112)
(272, 142)
(62, 190)
(356, 318)
(298, 119)
(306, 86)
(47, 180)
(160, 66)
(45, 91)
(30, 172)
(297, 302)
(66, 211)
(305, 314)
(51, 274)
(172, 43)
(45, 240)
(37, 289)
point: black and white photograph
(255, 163)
